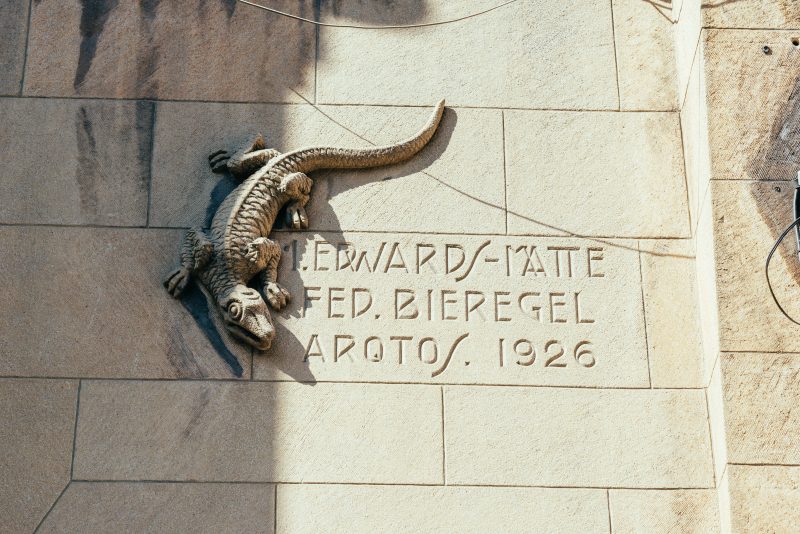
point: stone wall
(570, 164)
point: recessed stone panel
(75, 161)
(599, 174)
(260, 432)
(761, 412)
(13, 28)
(88, 302)
(307, 508)
(515, 56)
(191, 50)
(753, 100)
(664, 511)
(577, 437)
(459, 309)
(163, 507)
(37, 418)
(454, 185)
(764, 498)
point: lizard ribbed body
(238, 247)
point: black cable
(766, 267)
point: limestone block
(761, 412)
(645, 48)
(748, 217)
(205, 431)
(664, 511)
(454, 185)
(751, 14)
(13, 31)
(577, 437)
(89, 302)
(753, 103)
(343, 509)
(163, 507)
(37, 420)
(75, 161)
(599, 174)
(764, 498)
(459, 309)
(687, 30)
(670, 301)
(715, 399)
(190, 50)
(545, 54)
(706, 264)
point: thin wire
(766, 268)
(356, 26)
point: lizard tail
(315, 158)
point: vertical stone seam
(505, 175)
(317, 12)
(608, 507)
(685, 177)
(444, 453)
(153, 112)
(710, 438)
(616, 63)
(75, 430)
(25, 51)
(644, 314)
(275, 509)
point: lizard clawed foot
(277, 296)
(219, 160)
(296, 217)
(177, 280)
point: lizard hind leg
(196, 251)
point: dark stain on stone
(230, 7)
(94, 15)
(87, 172)
(147, 63)
(181, 357)
(197, 412)
(196, 304)
(145, 123)
(225, 185)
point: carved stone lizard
(238, 247)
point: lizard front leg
(265, 255)
(245, 161)
(297, 186)
(195, 253)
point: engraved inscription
(460, 309)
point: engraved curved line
(474, 259)
(449, 355)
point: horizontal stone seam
(388, 485)
(333, 104)
(739, 28)
(564, 235)
(339, 382)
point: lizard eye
(235, 311)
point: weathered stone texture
(75, 161)
(694, 134)
(405, 509)
(163, 507)
(577, 437)
(516, 56)
(645, 49)
(189, 50)
(459, 309)
(461, 167)
(89, 302)
(751, 14)
(764, 498)
(664, 511)
(37, 418)
(761, 413)
(13, 31)
(260, 432)
(595, 174)
(673, 326)
(748, 217)
(753, 104)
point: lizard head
(247, 317)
